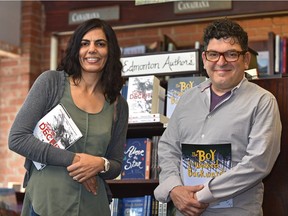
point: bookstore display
(147, 94)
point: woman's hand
(91, 185)
(85, 166)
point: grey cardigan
(45, 94)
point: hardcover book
(58, 129)
(137, 159)
(143, 94)
(176, 87)
(202, 162)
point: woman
(88, 83)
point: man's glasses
(229, 56)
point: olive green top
(66, 196)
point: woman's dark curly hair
(225, 28)
(111, 80)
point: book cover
(161, 101)
(143, 94)
(134, 206)
(176, 87)
(202, 162)
(137, 157)
(263, 63)
(58, 129)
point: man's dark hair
(225, 28)
(111, 79)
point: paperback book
(136, 206)
(202, 162)
(137, 159)
(58, 129)
(176, 87)
(143, 94)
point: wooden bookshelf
(132, 188)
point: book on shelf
(124, 91)
(116, 207)
(155, 169)
(271, 50)
(138, 206)
(263, 63)
(284, 48)
(58, 129)
(133, 50)
(202, 162)
(137, 158)
(277, 54)
(161, 100)
(147, 118)
(176, 87)
(143, 94)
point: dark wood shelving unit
(145, 129)
(132, 188)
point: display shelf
(132, 187)
(149, 129)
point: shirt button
(202, 136)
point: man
(224, 109)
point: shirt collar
(206, 84)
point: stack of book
(146, 100)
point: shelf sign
(161, 63)
(181, 7)
(104, 13)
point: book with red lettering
(202, 162)
(143, 94)
(58, 129)
(137, 159)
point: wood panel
(57, 12)
(276, 184)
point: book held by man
(202, 162)
(58, 129)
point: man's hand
(85, 166)
(185, 200)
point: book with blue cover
(137, 206)
(202, 162)
(137, 159)
(176, 87)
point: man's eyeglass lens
(229, 56)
